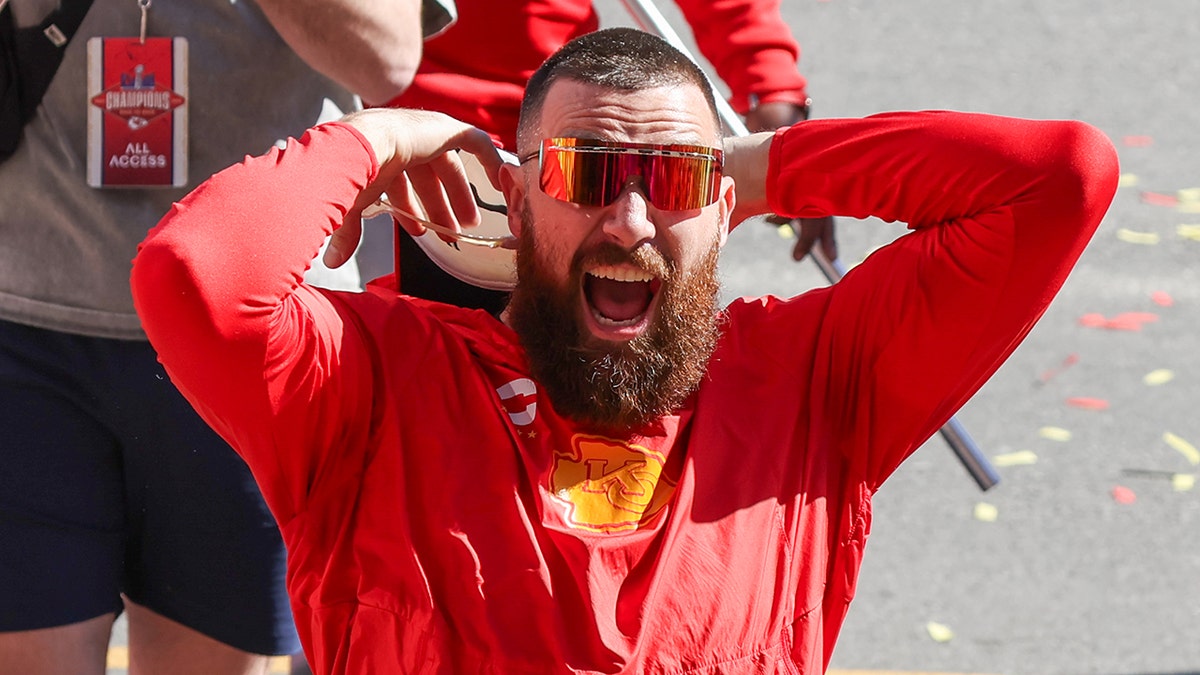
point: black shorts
(110, 483)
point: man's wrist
(797, 98)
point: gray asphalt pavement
(1069, 577)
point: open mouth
(620, 297)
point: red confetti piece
(1159, 199)
(1162, 298)
(1137, 141)
(1087, 403)
(1123, 321)
(1123, 495)
(1051, 373)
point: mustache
(645, 257)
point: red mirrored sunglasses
(590, 172)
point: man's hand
(775, 114)
(415, 152)
(809, 231)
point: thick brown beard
(623, 386)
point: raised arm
(1000, 210)
(371, 48)
(265, 359)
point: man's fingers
(821, 232)
(804, 243)
(810, 231)
(342, 244)
(437, 196)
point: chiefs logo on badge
(137, 99)
(609, 486)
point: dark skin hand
(809, 231)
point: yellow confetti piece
(785, 231)
(1021, 457)
(986, 512)
(1188, 207)
(1189, 196)
(1054, 434)
(1189, 232)
(1129, 236)
(1182, 482)
(1186, 449)
(939, 632)
(1127, 180)
(1157, 377)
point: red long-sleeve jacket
(440, 517)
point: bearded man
(614, 476)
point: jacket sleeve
(999, 209)
(268, 362)
(751, 48)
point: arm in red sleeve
(751, 48)
(1000, 210)
(217, 284)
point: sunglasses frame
(713, 156)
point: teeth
(605, 321)
(628, 274)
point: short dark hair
(616, 58)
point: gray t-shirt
(66, 248)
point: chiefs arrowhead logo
(609, 486)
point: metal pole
(650, 19)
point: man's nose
(627, 222)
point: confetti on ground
(1182, 482)
(1123, 495)
(1087, 403)
(1050, 374)
(1137, 141)
(939, 632)
(1186, 449)
(785, 231)
(986, 512)
(1162, 298)
(1018, 458)
(1127, 180)
(1054, 434)
(1123, 321)
(1133, 237)
(1189, 232)
(1157, 377)
(1159, 199)
(1189, 200)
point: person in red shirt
(476, 69)
(617, 476)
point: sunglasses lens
(587, 179)
(674, 177)
(681, 183)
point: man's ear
(726, 201)
(512, 185)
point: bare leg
(160, 645)
(300, 665)
(77, 648)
